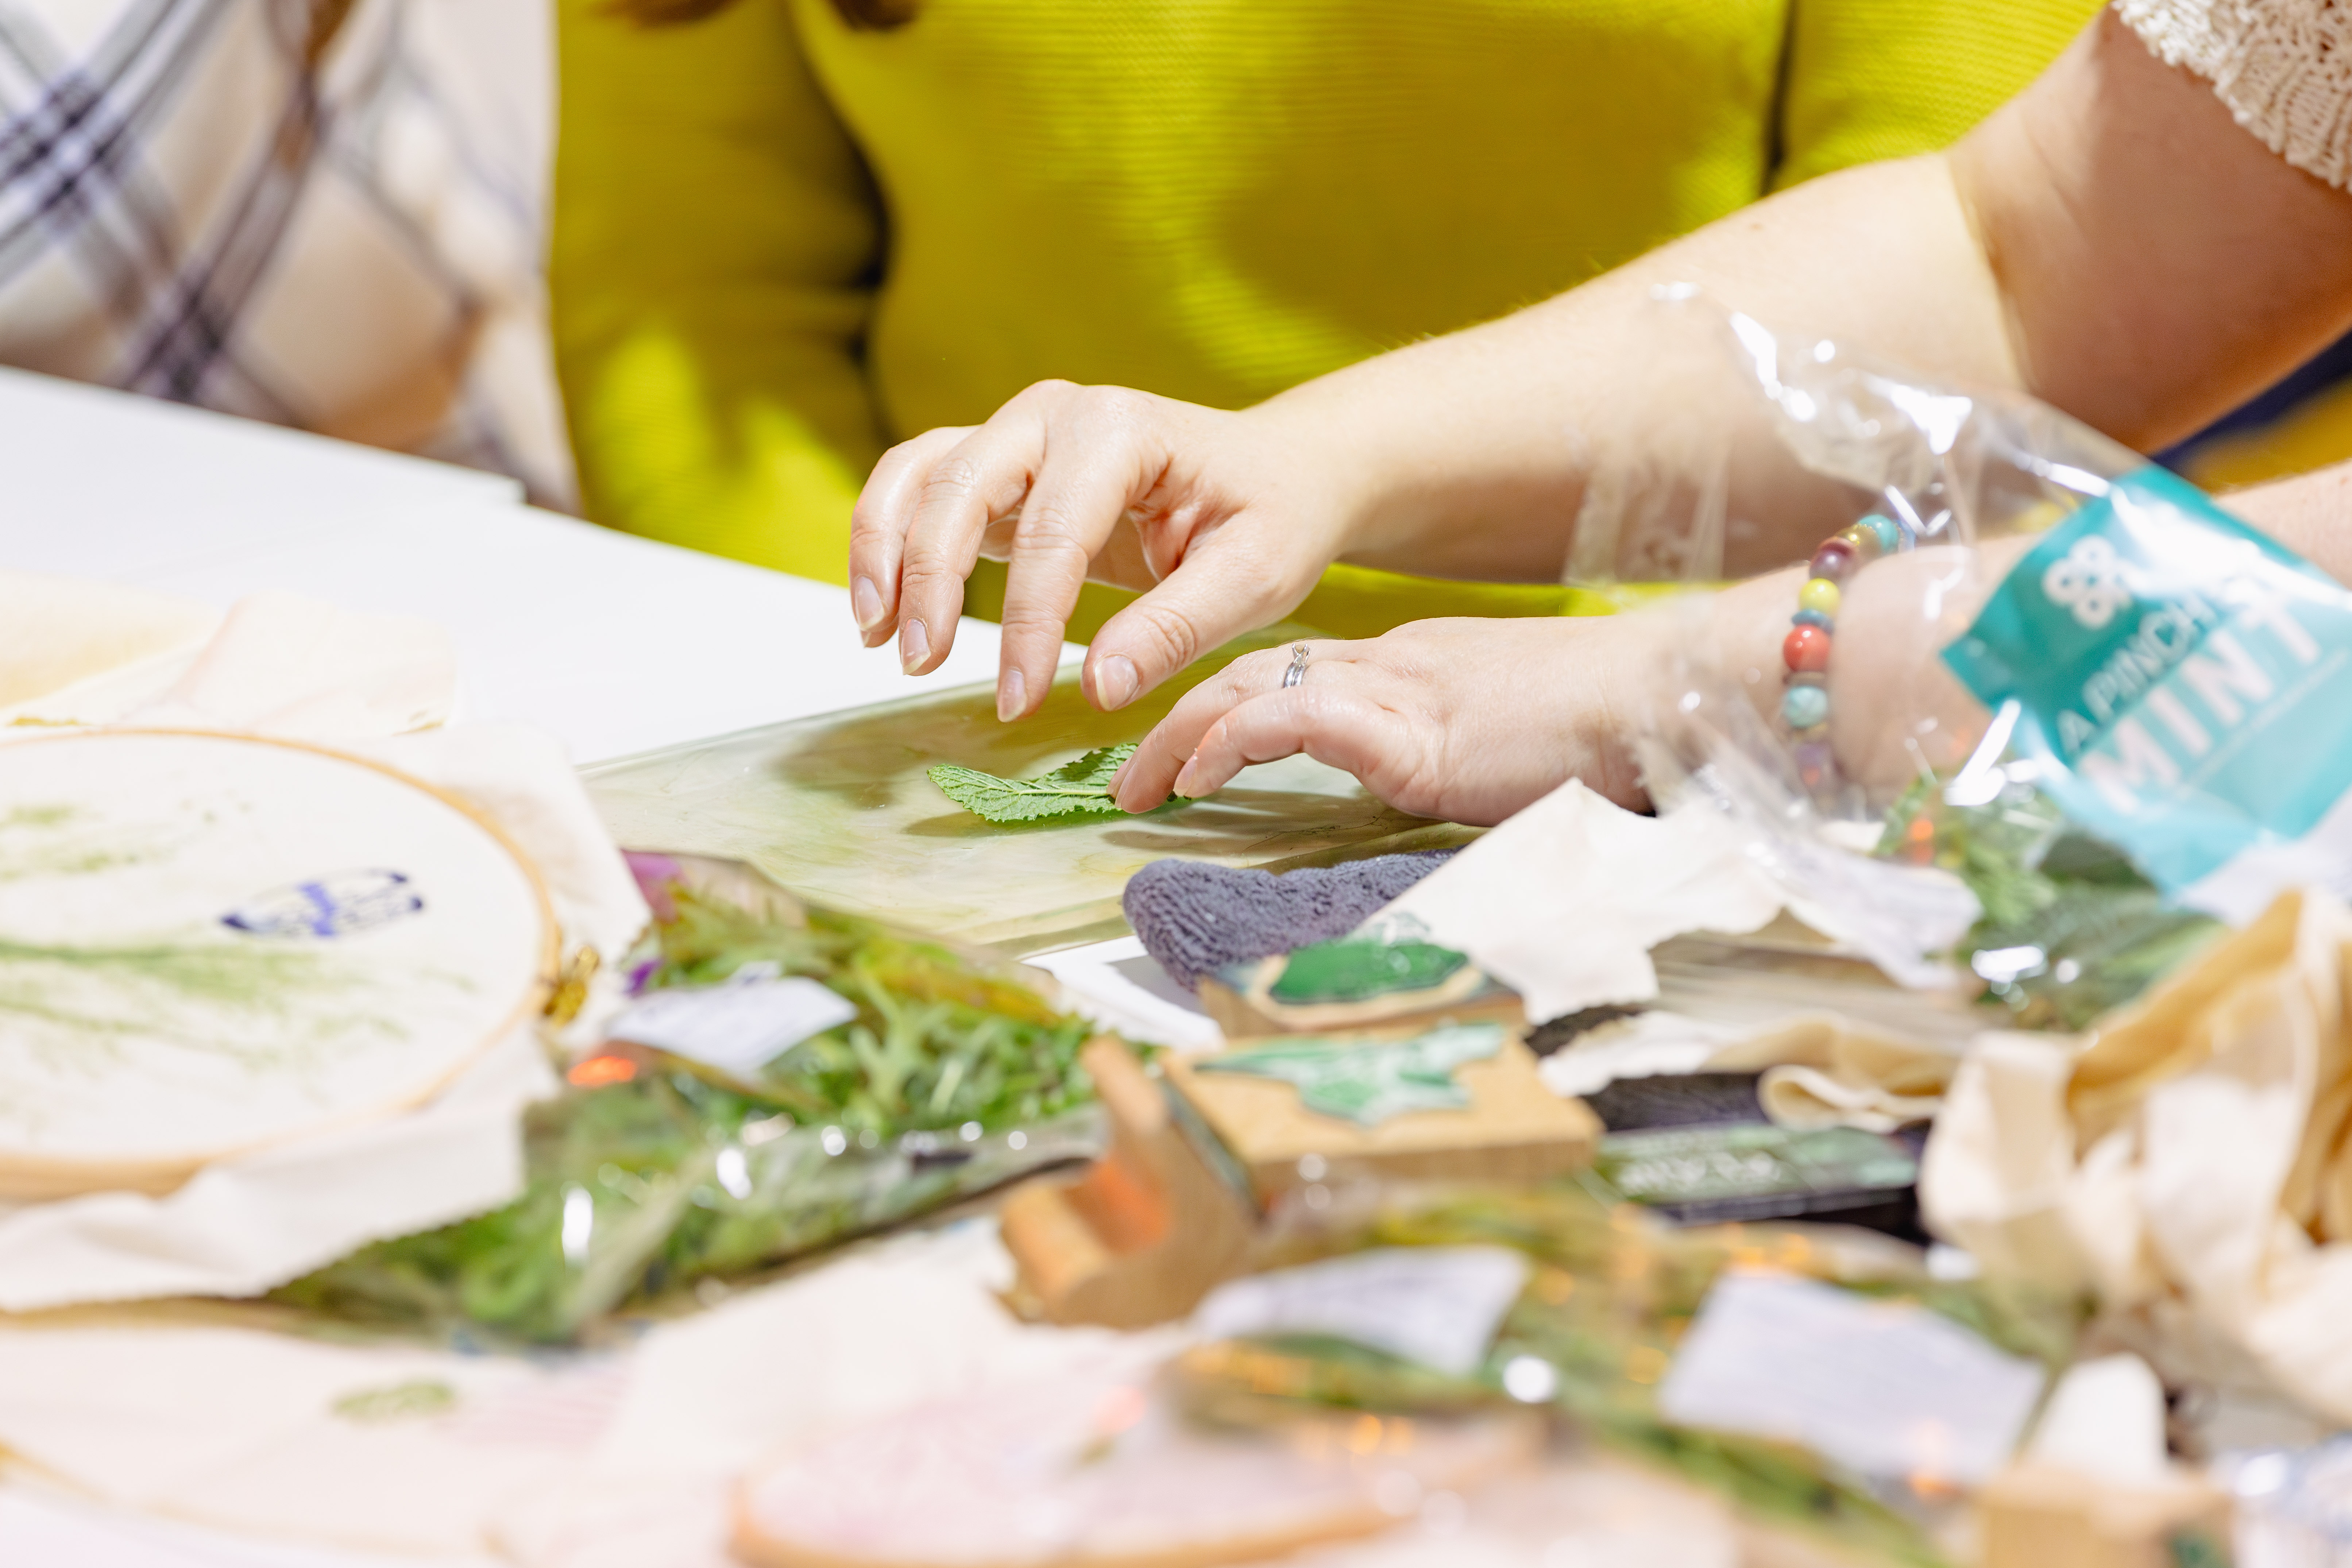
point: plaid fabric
(321, 213)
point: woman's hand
(1469, 721)
(1227, 519)
(1464, 719)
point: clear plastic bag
(653, 1173)
(2045, 668)
(1594, 1336)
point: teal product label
(2185, 681)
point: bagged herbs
(652, 1172)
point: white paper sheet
(1435, 1305)
(1564, 902)
(244, 1226)
(1887, 1389)
(383, 1449)
(738, 1027)
(1424, 1304)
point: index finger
(877, 528)
(1094, 470)
(1150, 774)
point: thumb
(1225, 586)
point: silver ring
(1298, 670)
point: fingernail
(1115, 681)
(865, 604)
(914, 646)
(1012, 695)
(1183, 785)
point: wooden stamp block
(1146, 1232)
(1513, 1128)
(2039, 1516)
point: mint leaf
(1075, 789)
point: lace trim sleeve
(2283, 67)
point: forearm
(2157, 264)
(2094, 243)
(2310, 514)
(1474, 453)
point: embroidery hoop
(512, 946)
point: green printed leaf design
(1368, 1084)
(1354, 969)
(1075, 789)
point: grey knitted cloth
(1195, 919)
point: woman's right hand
(1225, 521)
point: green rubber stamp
(1360, 969)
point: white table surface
(617, 645)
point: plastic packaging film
(676, 1159)
(2047, 666)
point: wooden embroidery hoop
(37, 1178)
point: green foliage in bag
(652, 1173)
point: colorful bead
(1805, 699)
(1804, 706)
(1806, 649)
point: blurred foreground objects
(924, 1077)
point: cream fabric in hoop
(2283, 67)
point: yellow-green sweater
(782, 243)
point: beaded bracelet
(1805, 699)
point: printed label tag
(1885, 1388)
(2185, 681)
(738, 1027)
(1437, 1305)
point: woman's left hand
(1463, 720)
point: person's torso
(1216, 199)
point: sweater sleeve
(2283, 67)
(716, 241)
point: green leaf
(1075, 789)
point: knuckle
(1253, 672)
(951, 480)
(1120, 408)
(1040, 397)
(869, 520)
(1019, 623)
(1172, 632)
(902, 453)
(1049, 525)
(926, 568)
